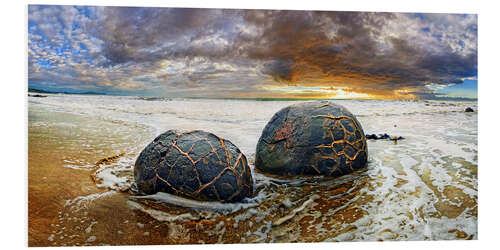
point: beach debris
(469, 109)
(395, 138)
(312, 138)
(91, 239)
(109, 159)
(196, 164)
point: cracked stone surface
(312, 138)
(195, 164)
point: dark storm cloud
(362, 46)
(146, 49)
(128, 33)
(152, 34)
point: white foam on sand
(396, 211)
(84, 201)
(161, 215)
(204, 205)
(116, 175)
(296, 210)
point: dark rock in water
(37, 95)
(196, 164)
(383, 137)
(148, 98)
(312, 138)
(375, 137)
(469, 109)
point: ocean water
(422, 188)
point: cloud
(236, 52)
(361, 53)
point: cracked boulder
(196, 164)
(312, 138)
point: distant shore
(33, 90)
(37, 90)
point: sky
(230, 53)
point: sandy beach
(82, 148)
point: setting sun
(317, 92)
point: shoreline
(144, 97)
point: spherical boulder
(312, 138)
(195, 164)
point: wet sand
(60, 205)
(76, 160)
